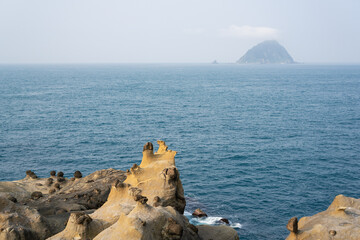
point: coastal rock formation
(217, 232)
(340, 221)
(267, 52)
(37, 208)
(147, 202)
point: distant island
(267, 52)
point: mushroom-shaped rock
(339, 221)
(49, 181)
(148, 146)
(79, 226)
(60, 174)
(156, 201)
(36, 195)
(60, 179)
(77, 174)
(292, 225)
(141, 199)
(31, 174)
(52, 173)
(199, 213)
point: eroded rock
(77, 174)
(145, 203)
(341, 220)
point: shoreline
(147, 200)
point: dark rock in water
(292, 225)
(199, 213)
(77, 174)
(36, 195)
(268, 52)
(224, 220)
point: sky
(176, 31)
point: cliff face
(268, 52)
(340, 221)
(147, 202)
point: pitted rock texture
(144, 203)
(340, 221)
(37, 208)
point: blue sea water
(256, 144)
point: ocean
(257, 144)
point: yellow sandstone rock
(147, 202)
(340, 221)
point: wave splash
(209, 221)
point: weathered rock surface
(340, 221)
(147, 202)
(37, 208)
(207, 232)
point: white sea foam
(235, 225)
(209, 220)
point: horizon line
(211, 62)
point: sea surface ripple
(256, 144)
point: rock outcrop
(340, 221)
(37, 208)
(146, 202)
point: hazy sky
(71, 31)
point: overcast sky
(116, 31)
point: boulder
(207, 232)
(199, 213)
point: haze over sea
(256, 144)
